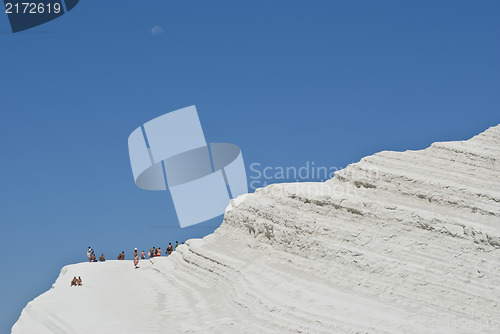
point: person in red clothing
(136, 261)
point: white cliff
(401, 242)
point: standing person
(90, 251)
(135, 252)
(143, 255)
(169, 248)
(136, 261)
(153, 252)
(176, 244)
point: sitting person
(79, 281)
(101, 258)
(121, 256)
(74, 281)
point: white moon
(157, 30)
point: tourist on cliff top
(136, 261)
(90, 252)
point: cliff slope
(401, 242)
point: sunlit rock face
(401, 242)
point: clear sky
(289, 82)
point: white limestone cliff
(401, 242)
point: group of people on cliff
(153, 252)
(92, 257)
(76, 281)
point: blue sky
(288, 82)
